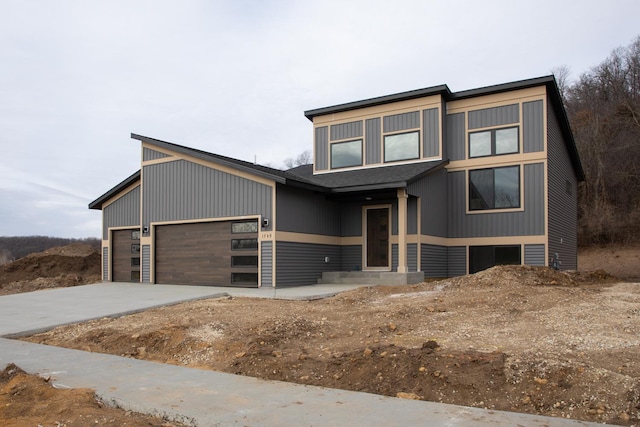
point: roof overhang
(97, 203)
(210, 157)
(381, 100)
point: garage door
(125, 259)
(212, 253)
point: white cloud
(234, 77)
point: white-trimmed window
(494, 142)
(346, 154)
(495, 188)
(402, 146)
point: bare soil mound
(71, 265)
(29, 400)
(514, 338)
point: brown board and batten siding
(200, 254)
(125, 259)
(563, 205)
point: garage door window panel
(244, 227)
(244, 244)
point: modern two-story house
(426, 183)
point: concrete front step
(370, 278)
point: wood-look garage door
(125, 258)
(210, 253)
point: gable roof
(97, 203)
(548, 81)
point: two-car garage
(216, 253)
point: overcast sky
(234, 78)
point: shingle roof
(368, 179)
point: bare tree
(604, 110)
(303, 158)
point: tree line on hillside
(12, 248)
(603, 107)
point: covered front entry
(377, 246)
(223, 253)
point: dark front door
(378, 238)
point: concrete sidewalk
(200, 397)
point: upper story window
(493, 142)
(346, 154)
(402, 146)
(496, 188)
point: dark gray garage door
(211, 253)
(125, 259)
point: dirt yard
(510, 338)
(71, 265)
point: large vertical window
(402, 146)
(346, 154)
(494, 142)
(497, 188)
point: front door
(377, 247)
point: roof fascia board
(209, 157)
(97, 203)
(381, 100)
(370, 187)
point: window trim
(520, 208)
(492, 132)
(347, 141)
(404, 132)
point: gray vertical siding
(123, 212)
(303, 263)
(432, 191)
(431, 133)
(563, 205)
(149, 154)
(434, 260)
(105, 263)
(145, 264)
(412, 256)
(351, 219)
(346, 130)
(455, 137)
(412, 215)
(321, 157)
(302, 211)
(522, 223)
(394, 257)
(398, 122)
(182, 190)
(457, 261)
(351, 257)
(494, 116)
(373, 144)
(534, 255)
(533, 126)
(266, 259)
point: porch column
(402, 231)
